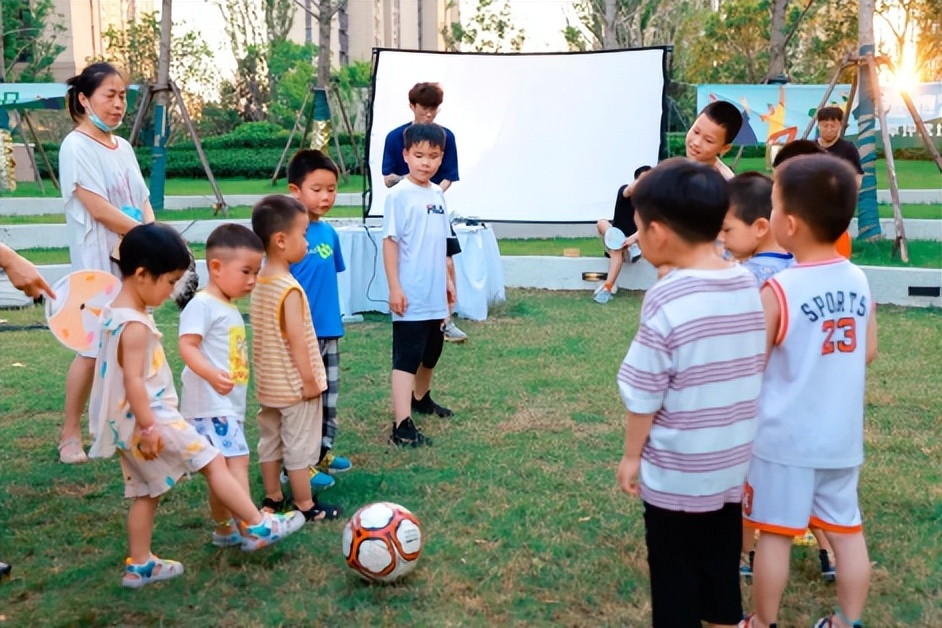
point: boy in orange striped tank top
(289, 372)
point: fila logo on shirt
(434, 209)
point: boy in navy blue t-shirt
(312, 180)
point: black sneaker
(426, 405)
(406, 434)
(828, 569)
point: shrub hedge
(255, 158)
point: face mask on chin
(98, 122)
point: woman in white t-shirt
(105, 196)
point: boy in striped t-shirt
(690, 382)
(289, 372)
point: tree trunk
(610, 38)
(777, 39)
(161, 111)
(325, 15)
(3, 63)
(868, 215)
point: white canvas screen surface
(540, 137)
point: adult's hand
(23, 274)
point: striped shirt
(696, 363)
(277, 380)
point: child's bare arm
(773, 318)
(397, 299)
(133, 357)
(292, 313)
(872, 336)
(637, 430)
(451, 286)
(192, 356)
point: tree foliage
(30, 31)
(490, 29)
(136, 49)
(913, 21)
(254, 29)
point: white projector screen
(540, 137)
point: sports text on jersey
(431, 208)
(834, 302)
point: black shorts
(694, 564)
(416, 343)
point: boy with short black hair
(711, 135)
(844, 244)
(213, 347)
(416, 233)
(808, 448)
(690, 382)
(312, 180)
(746, 232)
(289, 372)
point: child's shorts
(292, 434)
(417, 343)
(785, 500)
(184, 451)
(227, 434)
(694, 565)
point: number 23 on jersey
(839, 335)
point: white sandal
(71, 451)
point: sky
(542, 21)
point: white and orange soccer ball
(382, 542)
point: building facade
(84, 26)
(365, 24)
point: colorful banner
(780, 113)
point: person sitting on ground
(624, 220)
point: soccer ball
(382, 542)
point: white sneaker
(602, 295)
(634, 252)
(452, 333)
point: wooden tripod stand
(869, 64)
(147, 96)
(309, 119)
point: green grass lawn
(922, 253)
(198, 187)
(910, 175)
(200, 213)
(523, 522)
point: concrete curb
(46, 205)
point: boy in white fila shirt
(416, 244)
(808, 448)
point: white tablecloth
(479, 276)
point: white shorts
(786, 500)
(227, 434)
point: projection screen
(540, 137)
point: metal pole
(158, 172)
